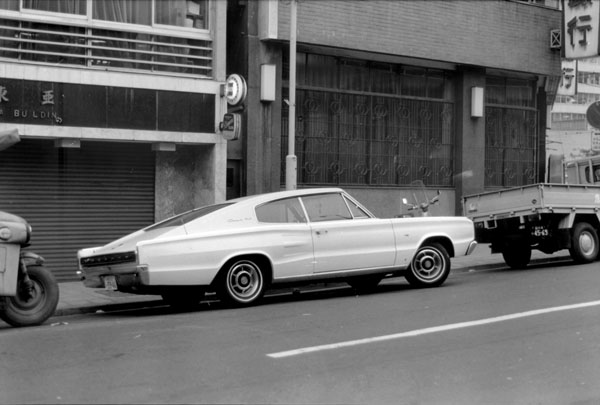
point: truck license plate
(110, 283)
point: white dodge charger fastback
(244, 246)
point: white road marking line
(434, 329)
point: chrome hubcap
(428, 264)
(244, 281)
(586, 242)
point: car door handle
(321, 231)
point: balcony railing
(102, 48)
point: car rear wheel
(243, 282)
(430, 267)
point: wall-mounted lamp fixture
(164, 147)
(67, 143)
(267, 82)
(476, 102)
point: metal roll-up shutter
(77, 198)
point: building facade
(451, 94)
(118, 104)
(570, 134)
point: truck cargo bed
(536, 198)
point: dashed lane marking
(434, 329)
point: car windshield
(186, 217)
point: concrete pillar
(470, 139)
(190, 177)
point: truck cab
(578, 171)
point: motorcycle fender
(9, 269)
(31, 259)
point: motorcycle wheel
(26, 309)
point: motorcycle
(422, 203)
(28, 291)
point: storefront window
(371, 123)
(57, 6)
(385, 78)
(9, 5)
(511, 136)
(144, 45)
(414, 82)
(181, 13)
(124, 11)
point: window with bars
(375, 124)
(511, 135)
(155, 35)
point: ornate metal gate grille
(511, 135)
(364, 139)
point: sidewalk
(77, 299)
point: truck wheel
(430, 267)
(32, 306)
(517, 256)
(584, 243)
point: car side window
(357, 211)
(287, 210)
(326, 207)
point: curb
(502, 265)
(108, 307)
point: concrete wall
(190, 177)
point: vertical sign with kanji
(568, 79)
(581, 28)
(596, 141)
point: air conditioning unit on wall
(555, 39)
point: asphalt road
(493, 337)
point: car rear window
(188, 216)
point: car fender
(413, 233)
(242, 254)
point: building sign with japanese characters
(79, 105)
(568, 79)
(596, 141)
(581, 28)
(39, 108)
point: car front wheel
(430, 266)
(243, 282)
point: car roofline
(277, 195)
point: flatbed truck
(563, 213)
